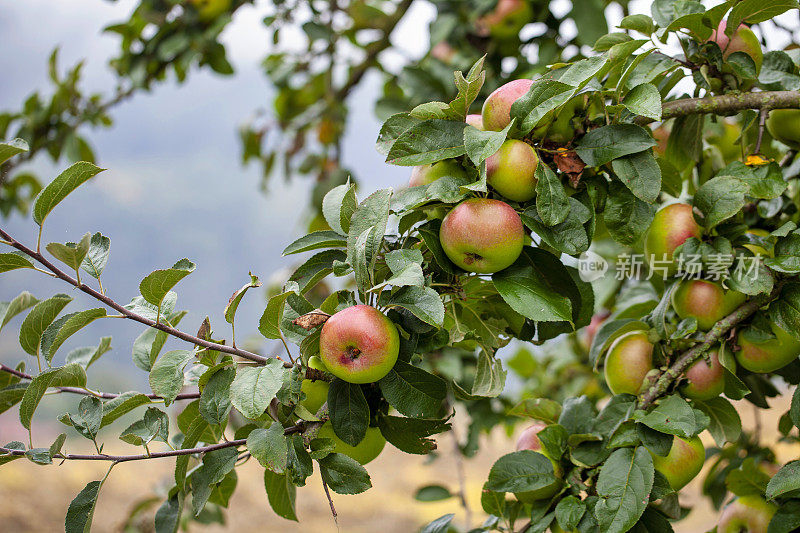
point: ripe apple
(496, 110)
(706, 301)
(425, 174)
(210, 9)
(705, 382)
(672, 226)
(475, 120)
(661, 135)
(482, 235)
(507, 19)
(749, 513)
(762, 356)
(683, 462)
(743, 40)
(784, 126)
(363, 452)
(359, 344)
(316, 391)
(511, 170)
(529, 440)
(629, 359)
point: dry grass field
(35, 498)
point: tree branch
(675, 371)
(127, 313)
(727, 104)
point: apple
(590, 331)
(425, 174)
(629, 359)
(359, 344)
(661, 135)
(750, 513)
(725, 141)
(365, 451)
(784, 126)
(475, 120)
(705, 381)
(761, 356)
(706, 301)
(507, 19)
(557, 127)
(316, 391)
(511, 170)
(210, 9)
(672, 226)
(496, 110)
(529, 440)
(743, 40)
(683, 462)
(482, 235)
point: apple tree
(680, 168)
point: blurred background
(223, 159)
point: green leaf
(440, 525)
(423, 302)
(604, 144)
(726, 426)
(66, 376)
(544, 96)
(755, 11)
(233, 303)
(786, 519)
(641, 23)
(641, 174)
(269, 324)
(281, 494)
(626, 216)
(59, 188)
(63, 328)
(409, 434)
(148, 345)
(538, 408)
(490, 378)
(9, 149)
(37, 321)
(217, 464)
(39, 456)
(432, 493)
(13, 261)
(428, 142)
(155, 286)
(786, 480)
(372, 212)
(343, 474)
(166, 377)
(168, 516)
(569, 512)
(349, 411)
(625, 480)
(525, 287)
(9, 310)
(521, 471)
(71, 254)
(81, 509)
(675, 416)
(154, 425)
(215, 400)
(87, 421)
(413, 391)
(316, 240)
(255, 386)
(87, 355)
(406, 268)
(122, 405)
(11, 395)
(644, 100)
(191, 437)
(97, 257)
(269, 448)
(338, 207)
(552, 203)
(481, 144)
(720, 198)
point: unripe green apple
(476, 121)
(482, 235)
(359, 344)
(211, 9)
(762, 356)
(683, 462)
(316, 391)
(529, 440)
(496, 110)
(363, 452)
(705, 381)
(557, 126)
(628, 361)
(743, 40)
(511, 170)
(707, 301)
(507, 19)
(784, 126)
(672, 226)
(425, 174)
(725, 141)
(751, 514)
(755, 248)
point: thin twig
(762, 123)
(330, 502)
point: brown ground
(35, 498)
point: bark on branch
(727, 104)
